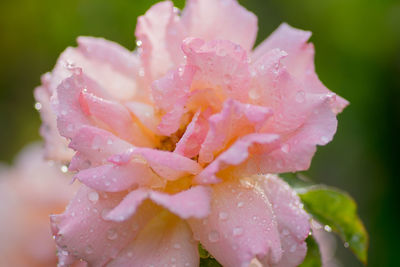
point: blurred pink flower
(169, 139)
(29, 192)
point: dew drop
(130, 254)
(346, 244)
(223, 216)
(139, 43)
(109, 142)
(64, 168)
(177, 246)
(240, 204)
(38, 106)
(237, 231)
(93, 196)
(285, 148)
(300, 96)
(253, 94)
(213, 236)
(327, 228)
(112, 234)
(89, 249)
(324, 139)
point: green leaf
(206, 260)
(337, 209)
(209, 262)
(203, 252)
(313, 257)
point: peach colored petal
(236, 154)
(241, 226)
(168, 165)
(194, 202)
(190, 143)
(166, 241)
(221, 19)
(235, 120)
(83, 232)
(221, 65)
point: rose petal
(160, 33)
(94, 147)
(238, 153)
(235, 120)
(82, 231)
(168, 165)
(190, 143)
(221, 65)
(170, 94)
(222, 19)
(240, 226)
(106, 111)
(194, 202)
(166, 241)
(293, 221)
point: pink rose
(29, 192)
(169, 140)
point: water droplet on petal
(346, 244)
(324, 139)
(240, 204)
(93, 196)
(237, 231)
(89, 249)
(223, 216)
(64, 168)
(285, 148)
(177, 246)
(300, 96)
(213, 236)
(112, 234)
(139, 43)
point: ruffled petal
(303, 119)
(221, 65)
(83, 232)
(190, 143)
(105, 111)
(221, 19)
(238, 153)
(168, 165)
(293, 221)
(191, 203)
(94, 147)
(159, 32)
(235, 120)
(170, 95)
(113, 178)
(240, 227)
(300, 59)
(166, 241)
(145, 114)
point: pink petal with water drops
(221, 19)
(145, 114)
(241, 225)
(83, 232)
(191, 203)
(293, 221)
(166, 241)
(236, 154)
(221, 65)
(235, 120)
(94, 146)
(168, 165)
(114, 178)
(158, 32)
(170, 95)
(106, 111)
(300, 59)
(190, 143)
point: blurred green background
(357, 56)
